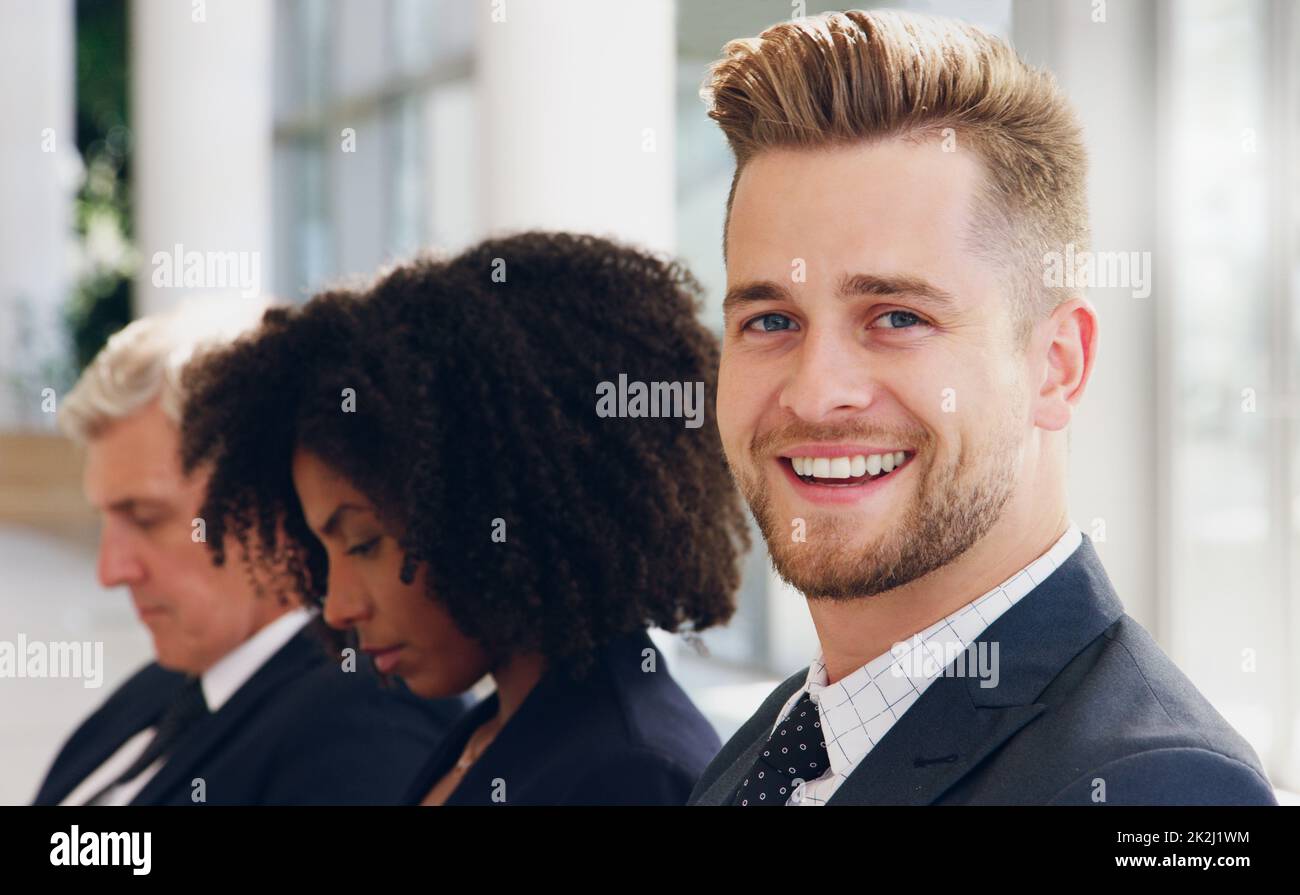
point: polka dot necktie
(796, 751)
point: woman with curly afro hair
(438, 461)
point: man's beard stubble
(949, 512)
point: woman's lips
(386, 659)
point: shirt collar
(232, 671)
(965, 625)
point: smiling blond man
(894, 396)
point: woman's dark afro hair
(454, 393)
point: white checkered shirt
(859, 709)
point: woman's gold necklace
(466, 759)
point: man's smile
(842, 473)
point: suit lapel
(755, 731)
(298, 656)
(936, 743)
(133, 708)
(957, 723)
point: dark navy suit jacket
(300, 731)
(1087, 707)
(620, 736)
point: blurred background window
(1232, 217)
(395, 72)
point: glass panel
(425, 32)
(361, 50)
(406, 186)
(452, 166)
(302, 52)
(358, 185)
(1288, 768)
(302, 227)
(1224, 575)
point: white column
(201, 104)
(576, 115)
(39, 164)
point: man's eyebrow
(753, 291)
(332, 522)
(852, 285)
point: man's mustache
(772, 442)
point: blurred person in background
(445, 449)
(243, 704)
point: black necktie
(796, 751)
(187, 708)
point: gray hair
(144, 361)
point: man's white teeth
(847, 467)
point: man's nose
(118, 562)
(832, 379)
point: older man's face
(872, 399)
(195, 611)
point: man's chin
(840, 561)
(170, 662)
(840, 552)
(829, 531)
(170, 657)
(846, 572)
(836, 551)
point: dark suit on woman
(623, 735)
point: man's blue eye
(771, 323)
(905, 314)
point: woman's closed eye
(365, 548)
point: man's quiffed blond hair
(856, 76)
(144, 361)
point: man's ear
(1070, 338)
